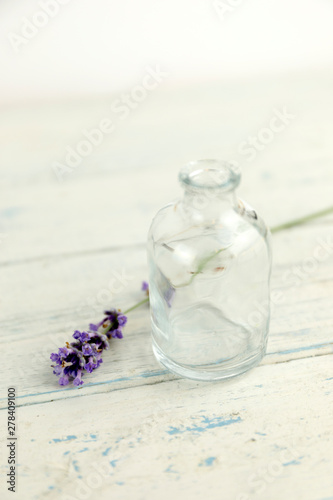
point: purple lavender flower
(114, 320)
(78, 381)
(57, 369)
(55, 357)
(82, 336)
(122, 319)
(63, 352)
(85, 353)
(117, 334)
(63, 380)
(87, 350)
(91, 365)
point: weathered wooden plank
(257, 436)
(65, 294)
(152, 434)
(77, 285)
(117, 212)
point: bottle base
(209, 373)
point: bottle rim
(210, 175)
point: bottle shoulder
(173, 221)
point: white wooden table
(133, 431)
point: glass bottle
(209, 257)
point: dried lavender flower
(85, 352)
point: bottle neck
(209, 189)
(208, 206)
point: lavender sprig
(85, 352)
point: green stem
(144, 301)
(302, 220)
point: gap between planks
(71, 255)
(147, 376)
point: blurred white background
(231, 64)
(104, 45)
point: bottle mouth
(210, 174)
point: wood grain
(134, 430)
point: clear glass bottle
(209, 258)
